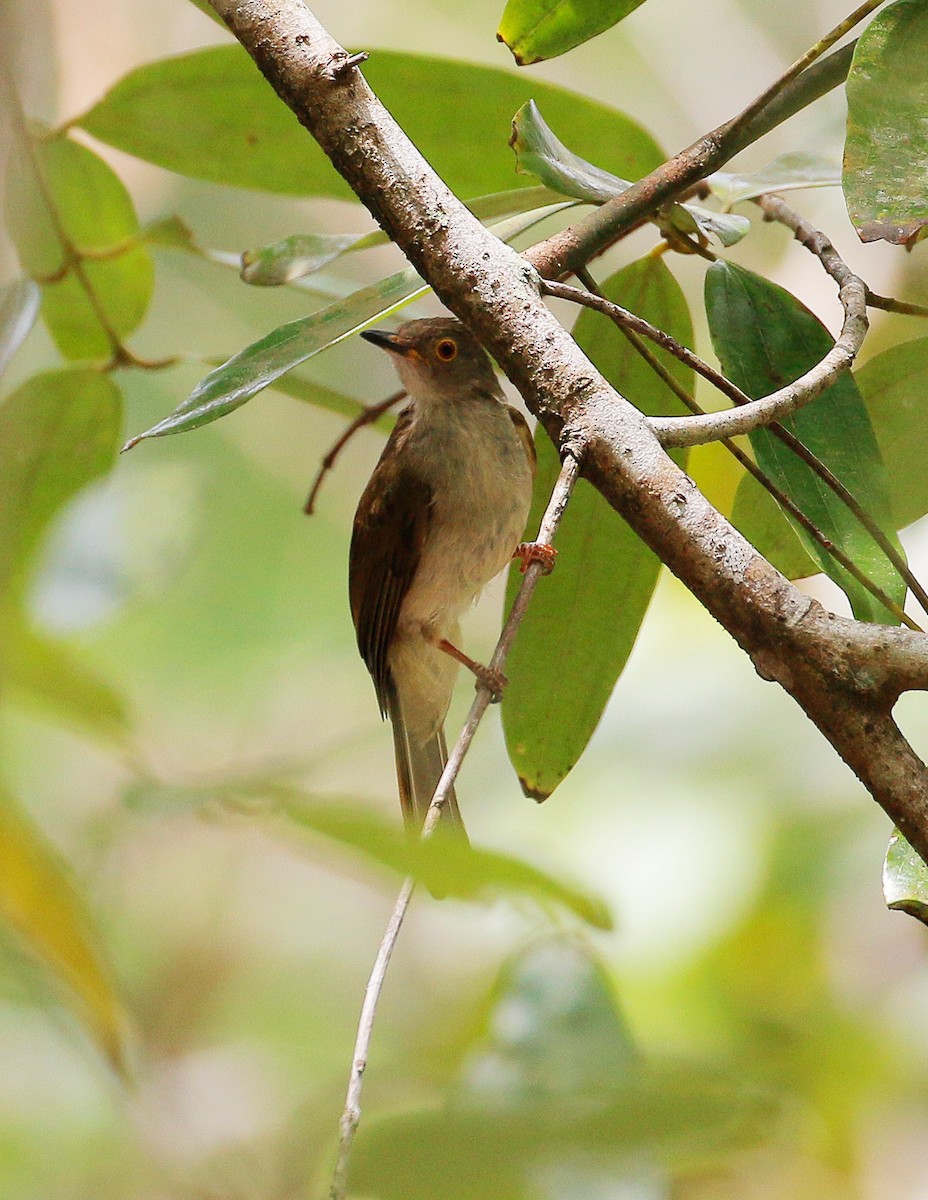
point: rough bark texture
(846, 676)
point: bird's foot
(489, 677)
(535, 552)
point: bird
(442, 514)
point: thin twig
(367, 416)
(631, 325)
(888, 304)
(351, 1114)
(781, 498)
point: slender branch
(852, 292)
(351, 1116)
(367, 416)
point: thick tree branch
(832, 666)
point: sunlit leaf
(765, 338)
(19, 307)
(726, 228)
(583, 620)
(758, 516)
(786, 173)
(260, 364)
(212, 116)
(893, 388)
(39, 902)
(905, 879)
(95, 212)
(538, 29)
(58, 431)
(887, 140)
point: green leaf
(19, 307)
(94, 211)
(555, 1036)
(538, 29)
(212, 116)
(593, 604)
(260, 364)
(668, 1116)
(765, 338)
(758, 516)
(540, 153)
(303, 253)
(905, 879)
(46, 674)
(296, 256)
(893, 388)
(58, 431)
(786, 173)
(446, 865)
(886, 147)
(39, 903)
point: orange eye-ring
(446, 349)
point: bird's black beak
(386, 341)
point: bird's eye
(446, 349)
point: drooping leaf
(19, 307)
(905, 879)
(765, 338)
(212, 116)
(787, 173)
(893, 388)
(46, 674)
(538, 29)
(886, 148)
(39, 903)
(541, 153)
(95, 212)
(758, 516)
(583, 620)
(260, 364)
(58, 431)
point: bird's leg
(540, 552)
(491, 678)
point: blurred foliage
(185, 929)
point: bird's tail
(418, 769)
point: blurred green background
(739, 856)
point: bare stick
(888, 304)
(367, 416)
(351, 1115)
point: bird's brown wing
(525, 435)
(390, 528)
